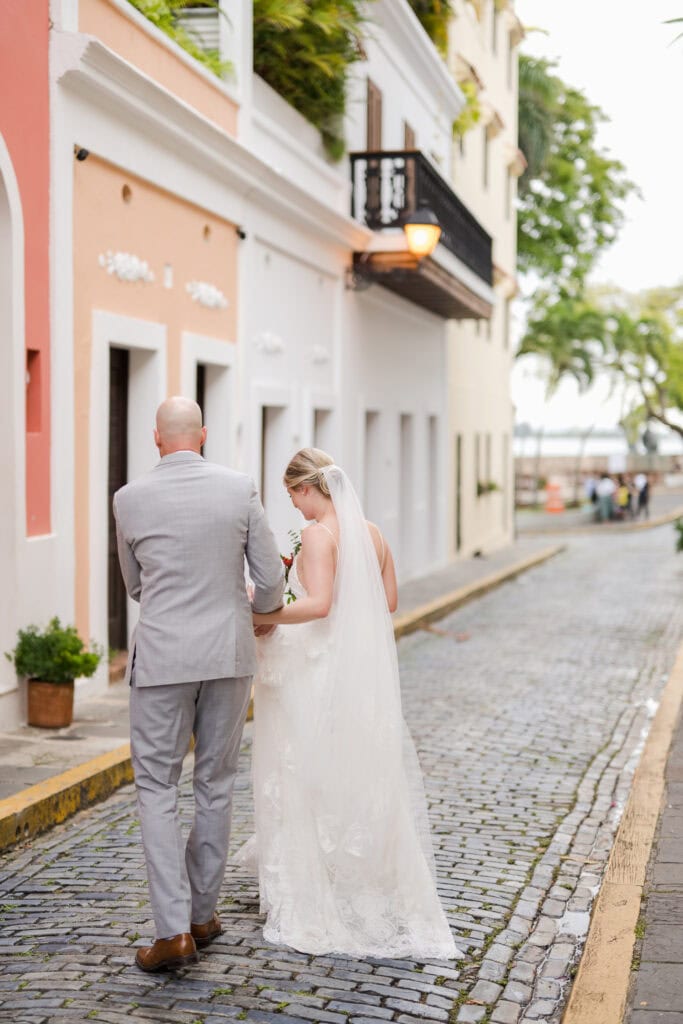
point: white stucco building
(486, 163)
(201, 242)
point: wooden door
(118, 476)
(374, 117)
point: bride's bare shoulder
(316, 537)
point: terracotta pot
(50, 705)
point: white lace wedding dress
(342, 845)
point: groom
(184, 530)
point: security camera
(81, 153)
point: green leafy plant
(166, 15)
(572, 193)
(678, 527)
(54, 655)
(434, 16)
(470, 114)
(304, 50)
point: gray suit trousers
(185, 880)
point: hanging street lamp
(423, 232)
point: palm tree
(538, 96)
(675, 21)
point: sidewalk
(93, 750)
(665, 505)
(656, 993)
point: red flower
(287, 561)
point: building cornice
(100, 77)
(403, 26)
(226, 88)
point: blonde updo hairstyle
(305, 470)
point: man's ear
(157, 438)
(203, 440)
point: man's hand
(264, 630)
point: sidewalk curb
(49, 803)
(436, 609)
(600, 989)
(608, 528)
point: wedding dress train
(342, 845)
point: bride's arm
(389, 580)
(317, 552)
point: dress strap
(331, 535)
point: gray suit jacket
(183, 532)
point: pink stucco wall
(24, 125)
(114, 210)
(123, 35)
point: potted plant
(51, 659)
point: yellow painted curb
(436, 609)
(50, 802)
(601, 986)
(648, 524)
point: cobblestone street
(529, 708)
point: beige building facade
(482, 56)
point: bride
(342, 841)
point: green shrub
(678, 527)
(304, 49)
(53, 655)
(434, 16)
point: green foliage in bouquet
(53, 655)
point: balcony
(387, 187)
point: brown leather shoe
(168, 954)
(204, 934)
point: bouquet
(288, 562)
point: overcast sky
(621, 54)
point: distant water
(598, 446)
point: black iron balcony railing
(388, 186)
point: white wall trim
(146, 341)
(13, 460)
(402, 25)
(220, 413)
(102, 79)
(221, 85)
(17, 348)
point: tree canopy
(634, 338)
(571, 195)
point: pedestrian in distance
(184, 530)
(623, 499)
(605, 490)
(342, 845)
(642, 484)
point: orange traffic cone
(553, 498)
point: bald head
(179, 426)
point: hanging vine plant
(304, 50)
(471, 113)
(434, 16)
